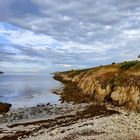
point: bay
(28, 89)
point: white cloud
(132, 34)
(73, 33)
(25, 37)
(67, 65)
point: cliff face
(118, 84)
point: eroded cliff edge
(118, 84)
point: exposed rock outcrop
(112, 84)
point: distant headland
(1, 72)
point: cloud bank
(59, 34)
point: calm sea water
(28, 89)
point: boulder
(4, 107)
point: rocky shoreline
(27, 122)
(69, 121)
(78, 117)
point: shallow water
(28, 89)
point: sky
(55, 35)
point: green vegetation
(113, 63)
(73, 73)
(77, 71)
(128, 65)
(136, 68)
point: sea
(28, 89)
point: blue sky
(44, 35)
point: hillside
(118, 84)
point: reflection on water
(27, 89)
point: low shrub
(128, 65)
(113, 63)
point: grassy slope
(130, 67)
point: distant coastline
(1, 72)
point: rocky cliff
(118, 84)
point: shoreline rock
(4, 107)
